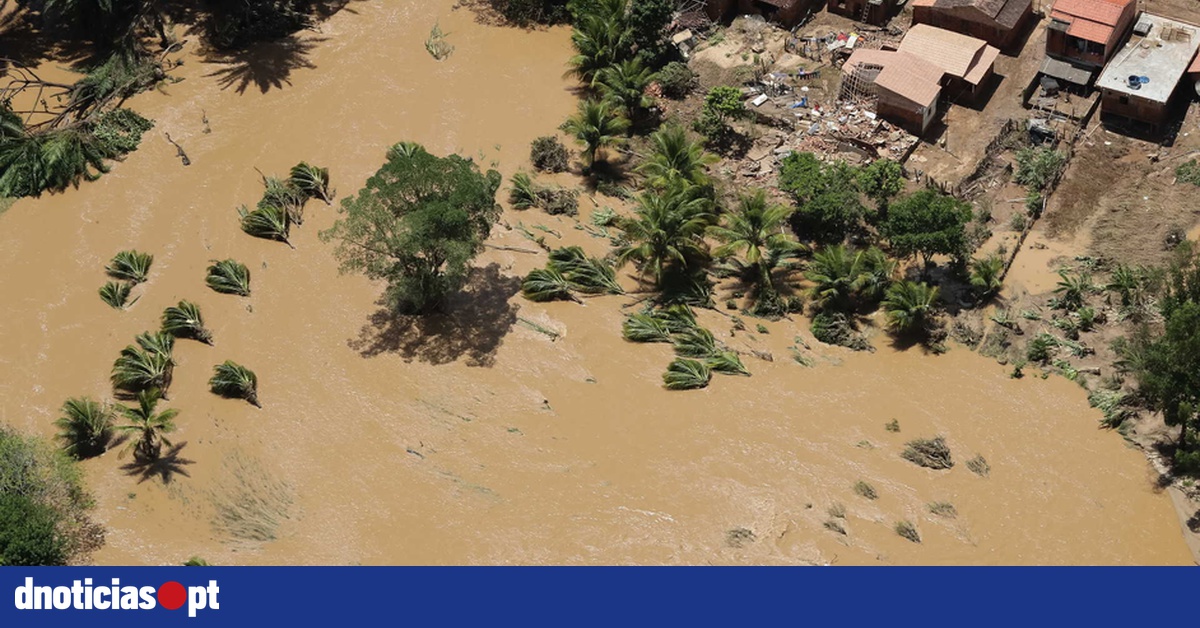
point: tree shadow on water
(267, 65)
(167, 465)
(473, 324)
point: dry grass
(865, 490)
(943, 509)
(250, 504)
(979, 466)
(907, 530)
(928, 453)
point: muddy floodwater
(476, 438)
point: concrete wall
(904, 113)
(1150, 113)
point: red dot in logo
(171, 595)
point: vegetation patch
(979, 466)
(863, 489)
(907, 530)
(929, 453)
(943, 509)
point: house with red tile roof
(1001, 23)
(1087, 33)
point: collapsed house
(1139, 86)
(1001, 23)
(905, 87)
(1083, 35)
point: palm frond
(684, 374)
(138, 369)
(695, 342)
(229, 277)
(726, 362)
(116, 294)
(586, 275)
(645, 328)
(546, 284)
(282, 194)
(231, 379)
(130, 266)
(184, 321)
(524, 193)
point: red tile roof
(1106, 12)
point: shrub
(979, 466)
(1036, 167)
(548, 154)
(43, 507)
(837, 511)
(892, 426)
(943, 509)
(836, 526)
(928, 453)
(28, 534)
(1188, 172)
(1040, 348)
(834, 328)
(907, 530)
(865, 490)
(676, 79)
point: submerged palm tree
(116, 294)
(282, 194)
(229, 277)
(147, 427)
(148, 365)
(234, 380)
(686, 374)
(675, 157)
(184, 321)
(312, 180)
(85, 427)
(130, 266)
(595, 126)
(668, 231)
(909, 306)
(624, 84)
(267, 221)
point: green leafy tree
(666, 233)
(928, 223)
(722, 105)
(595, 126)
(648, 21)
(29, 534)
(85, 427)
(829, 204)
(146, 427)
(881, 181)
(417, 224)
(675, 158)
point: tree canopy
(829, 204)
(928, 223)
(417, 224)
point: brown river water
(476, 439)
